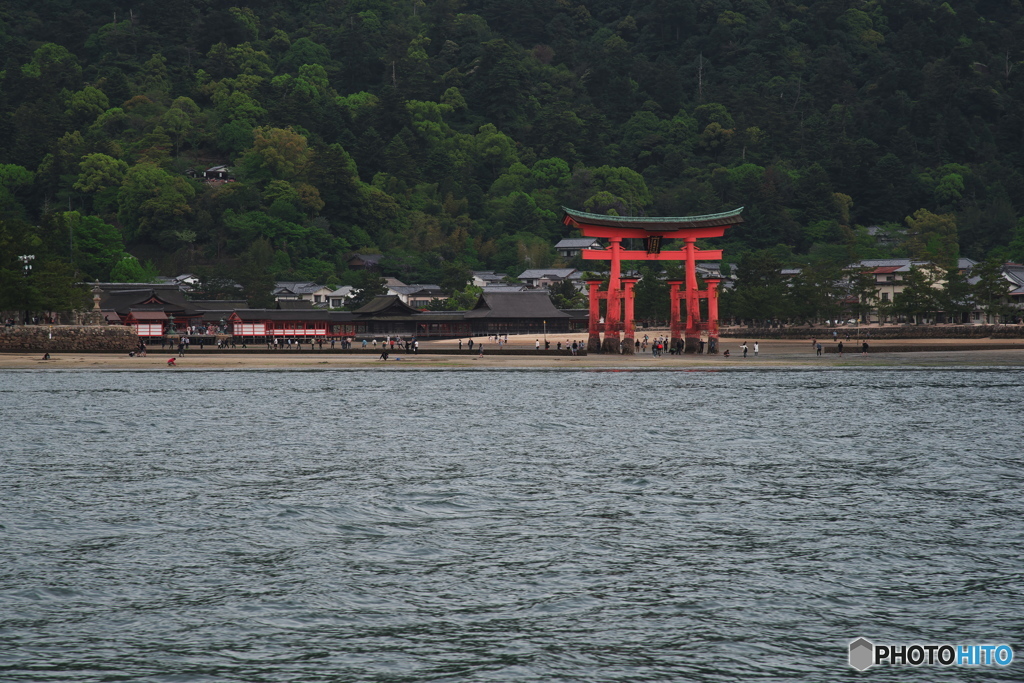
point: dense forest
(447, 134)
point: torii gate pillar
(712, 284)
(675, 324)
(594, 323)
(629, 327)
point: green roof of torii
(655, 222)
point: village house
(339, 297)
(890, 277)
(484, 278)
(310, 291)
(571, 247)
(543, 278)
(417, 296)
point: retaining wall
(887, 332)
(41, 338)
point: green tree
(255, 273)
(276, 154)
(919, 298)
(130, 269)
(152, 203)
(760, 291)
(461, 300)
(367, 285)
(933, 238)
(990, 289)
(97, 246)
(564, 295)
(101, 176)
(455, 276)
(58, 288)
(816, 293)
(955, 296)
(1016, 249)
(650, 301)
(863, 289)
(14, 180)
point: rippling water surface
(505, 525)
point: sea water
(506, 525)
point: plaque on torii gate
(619, 297)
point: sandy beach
(438, 354)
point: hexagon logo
(862, 654)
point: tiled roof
(488, 275)
(148, 315)
(538, 273)
(294, 305)
(297, 287)
(577, 243)
(655, 222)
(504, 288)
(386, 302)
(219, 304)
(515, 305)
(416, 289)
(274, 314)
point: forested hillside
(446, 134)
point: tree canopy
(452, 132)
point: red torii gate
(620, 295)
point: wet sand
(772, 354)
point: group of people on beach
(757, 348)
(816, 346)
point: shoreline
(773, 354)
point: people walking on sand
(470, 344)
(460, 345)
(818, 347)
(840, 349)
(744, 347)
(536, 345)
(756, 347)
